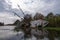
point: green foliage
(54, 25)
(52, 28)
(54, 20)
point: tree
(50, 19)
(27, 18)
(57, 20)
(53, 20)
(38, 16)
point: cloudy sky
(28, 6)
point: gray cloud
(43, 6)
(4, 6)
(50, 6)
(31, 7)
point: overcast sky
(33, 6)
(29, 6)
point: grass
(52, 28)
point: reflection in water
(7, 33)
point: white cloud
(7, 18)
(36, 5)
(33, 6)
(7, 15)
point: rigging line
(20, 9)
(16, 14)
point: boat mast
(20, 10)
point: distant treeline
(1, 24)
(54, 20)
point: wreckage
(31, 27)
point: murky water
(7, 33)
